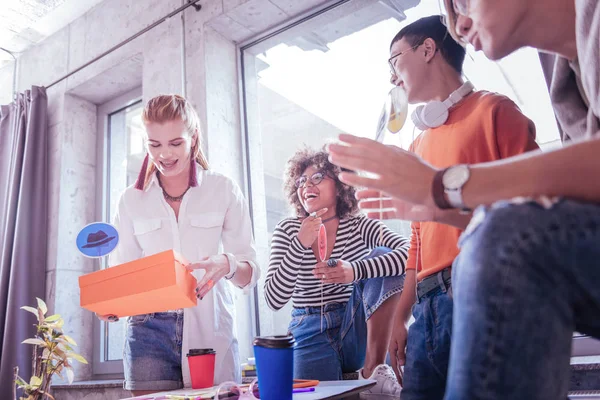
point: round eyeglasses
(314, 179)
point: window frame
(581, 345)
(241, 47)
(100, 367)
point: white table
(325, 391)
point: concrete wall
(152, 62)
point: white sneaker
(387, 386)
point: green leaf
(70, 340)
(46, 353)
(53, 317)
(63, 345)
(42, 306)
(31, 310)
(59, 353)
(56, 325)
(35, 381)
(78, 358)
(34, 341)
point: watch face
(456, 177)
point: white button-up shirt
(213, 219)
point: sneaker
(387, 386)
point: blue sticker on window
(97, 239)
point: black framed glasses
(315, 179)
(392, 58)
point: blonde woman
(178, 203)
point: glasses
(392, 58)
(315, 179)
(233, 391)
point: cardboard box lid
(165, 257)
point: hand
(401, 174)
(397, 349)
(216, 267)
(108, 318)
(309, 230)
(373, 201)
(341, 273)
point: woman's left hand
(341, 273)
(216, 267)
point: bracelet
(232, 265)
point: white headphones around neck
(435, 113)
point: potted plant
(52, 354)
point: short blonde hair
(450, 21)
(164, 108)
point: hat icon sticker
(97, 239)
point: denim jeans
(152, 355)
(341, 347)
(428, 347)
(526, 278)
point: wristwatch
(232, 265)
(447, 186)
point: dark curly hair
(346, 201)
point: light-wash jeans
(428, 347)
(152, 354)
(341, 347)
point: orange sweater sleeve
(411, 263)
(515, 133)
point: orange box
(151, 284)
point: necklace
(168, 197)
(329, 219)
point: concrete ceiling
(24, 23)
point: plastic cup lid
(199, 352)
(275, 342)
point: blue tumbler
(275, 366)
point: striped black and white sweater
(291, 264)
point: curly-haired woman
(359, 293)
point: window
(329, 74)
(121, 152)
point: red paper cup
(202, 367)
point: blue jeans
(152, 355)
(526, 278)
(428, 347)
(341, 347)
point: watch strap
(438, 190)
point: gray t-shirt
(575, 87)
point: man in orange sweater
(460, 126)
